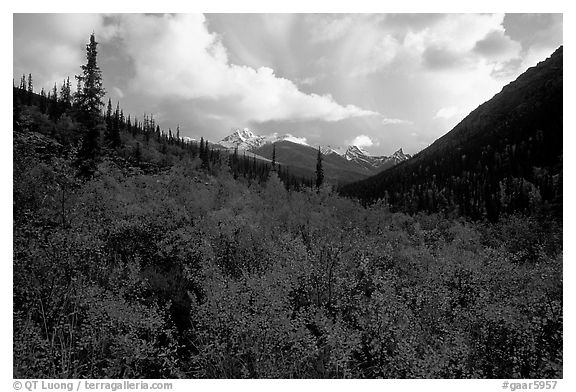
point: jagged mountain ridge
(245, 139)
(361, 157)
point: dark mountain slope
(302, 161)
(505, 156)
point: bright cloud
(395, 121)
(363, 141)
(447, 113)
(176, 56)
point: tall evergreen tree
(30, 89)
(90, 92)
(274, 156)
(89, 102)
(319, 170)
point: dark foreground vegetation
(165, 262)
(184, 274)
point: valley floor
(181, 274)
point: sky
(379, 81)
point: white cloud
(447, 112)
(370, 44)
(363, 141)
(51, 46)
(176, 56)
(395, 121)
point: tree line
(99, 129)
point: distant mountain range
(505, 156)
(340, 165)
(245, 139)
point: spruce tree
(65, 95)
(319, 170)
(55, 92)
(274, 156)
(89, 101)
(30, 89)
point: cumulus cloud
(373, 44)
(464, 41)
(176, 56)
(363, 141)
(498, 46)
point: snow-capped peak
(188, 139)
(327, 150)
(274, 137)
(354, 152)
(245, 139)
(400, 156)
(244, 134)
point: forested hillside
(302, 160)
(137, 255)
(504, 157)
